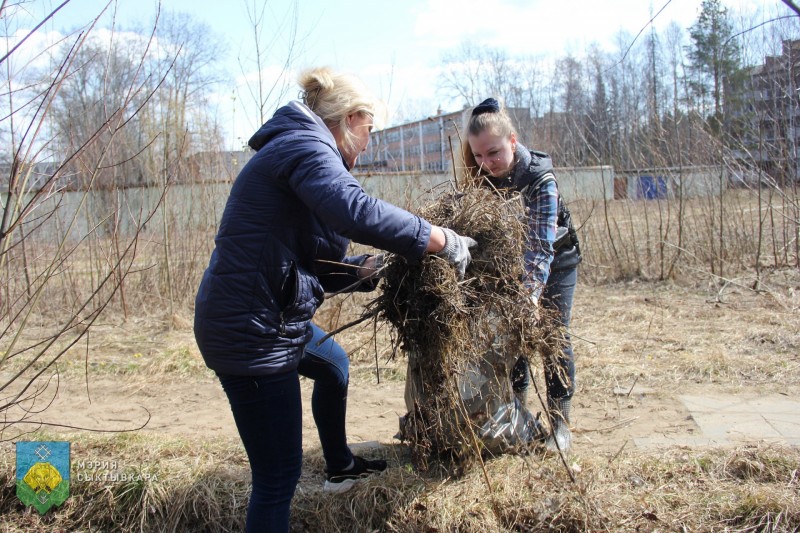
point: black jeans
(558, 294)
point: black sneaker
(343, 480)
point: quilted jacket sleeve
(323, 184)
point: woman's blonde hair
(489, 116)
(334, 96)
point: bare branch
(792, 6)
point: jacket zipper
(292, 276)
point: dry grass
(660, 335)
(150, 346)
(191, 486)
(664, 335)
(170, 485)
(682, 239)
(746, 489)
(448, 327)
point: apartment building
(766, 110)
(429, 145)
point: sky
(396, 47)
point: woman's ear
(513, 142)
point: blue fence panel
(651, 187)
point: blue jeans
(558, 294)
(268, 414)
(328, 365)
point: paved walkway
(736, 419)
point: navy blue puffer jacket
(282, 242)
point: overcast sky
(397, 46)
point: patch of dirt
(639, 347)
(199, 409)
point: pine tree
(714, 57)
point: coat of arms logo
(43, 473)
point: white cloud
(541, 26)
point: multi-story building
(429, 145)
(766, 111)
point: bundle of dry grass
(453, 331)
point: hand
(372, 267)
(456, 250)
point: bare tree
(32, 199)
(473, 73)
(572, 107)
(275, 40)
(674, 111)
(600, 117)
(81, 138)
(464, 74)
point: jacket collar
(523, 159)
(294, 116)
(305, 110)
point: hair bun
(315, 82)
(490, 105)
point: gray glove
(375, 271)
(456, 250)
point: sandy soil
(199, 410)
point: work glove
(456, 250)
(372, 267)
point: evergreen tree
(714, 57)
(599, 117)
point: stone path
(735, 419)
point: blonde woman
(281, 245)
(494, 155)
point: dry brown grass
(144, 346)
(716, 240)
(663, 335)
(170, 485)
(745, 489)
(448, 326)
(193, 486)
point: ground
(658, 365)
